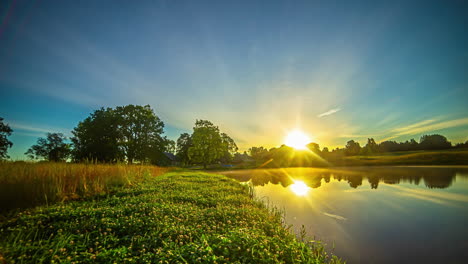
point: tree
(169, 145)
(434, 142)
(52, 148)
(370, 148)
(229, 146)
(5, 131)
(259, 154)
(282, 156)
(158, 155)
(462, 145)
(131, 133)
(140, 132)
(352, 148)
(314, 147)
(97, 137)
(184, 142)
(207, 143)
(388, 146)
(413, 144)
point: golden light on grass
(297, 139)
(25, 184)
(299, 188)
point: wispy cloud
(38, 129)
(29, 134)
(427, 126)
(359, 135)
(413, 126)
(329, 112)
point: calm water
(374, 215)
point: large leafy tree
(208, 145)
(352, 148)
(388, 146)
(51, 148)
(140, 130)
(434, 142)
(259, 154)
(97, 138)
(184, 142)
(131, 133)
(5, 131)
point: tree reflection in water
(433, 177)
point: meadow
(301, 158)
(178, 217)
(26, 184)
(438, 157)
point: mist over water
(373, 215)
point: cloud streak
(329, 112)
(427, 126)
(39, 130)
(413, 126)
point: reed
(24, 184)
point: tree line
(132, 134)
(284, 155)
(426, 142)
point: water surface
(374, 215)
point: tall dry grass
(24, 184)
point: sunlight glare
(299, 188)
(297, 139)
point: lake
(373, 214)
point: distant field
(442, 157)
(439, 157)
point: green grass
(180, 217)
(443, 157)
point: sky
(337, 70)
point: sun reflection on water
(299, 188)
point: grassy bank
(24, 184)
(180, 217)
(442, 157)
(303, 158)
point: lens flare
(297, 139)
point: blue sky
(338, 70)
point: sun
(297, 139)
